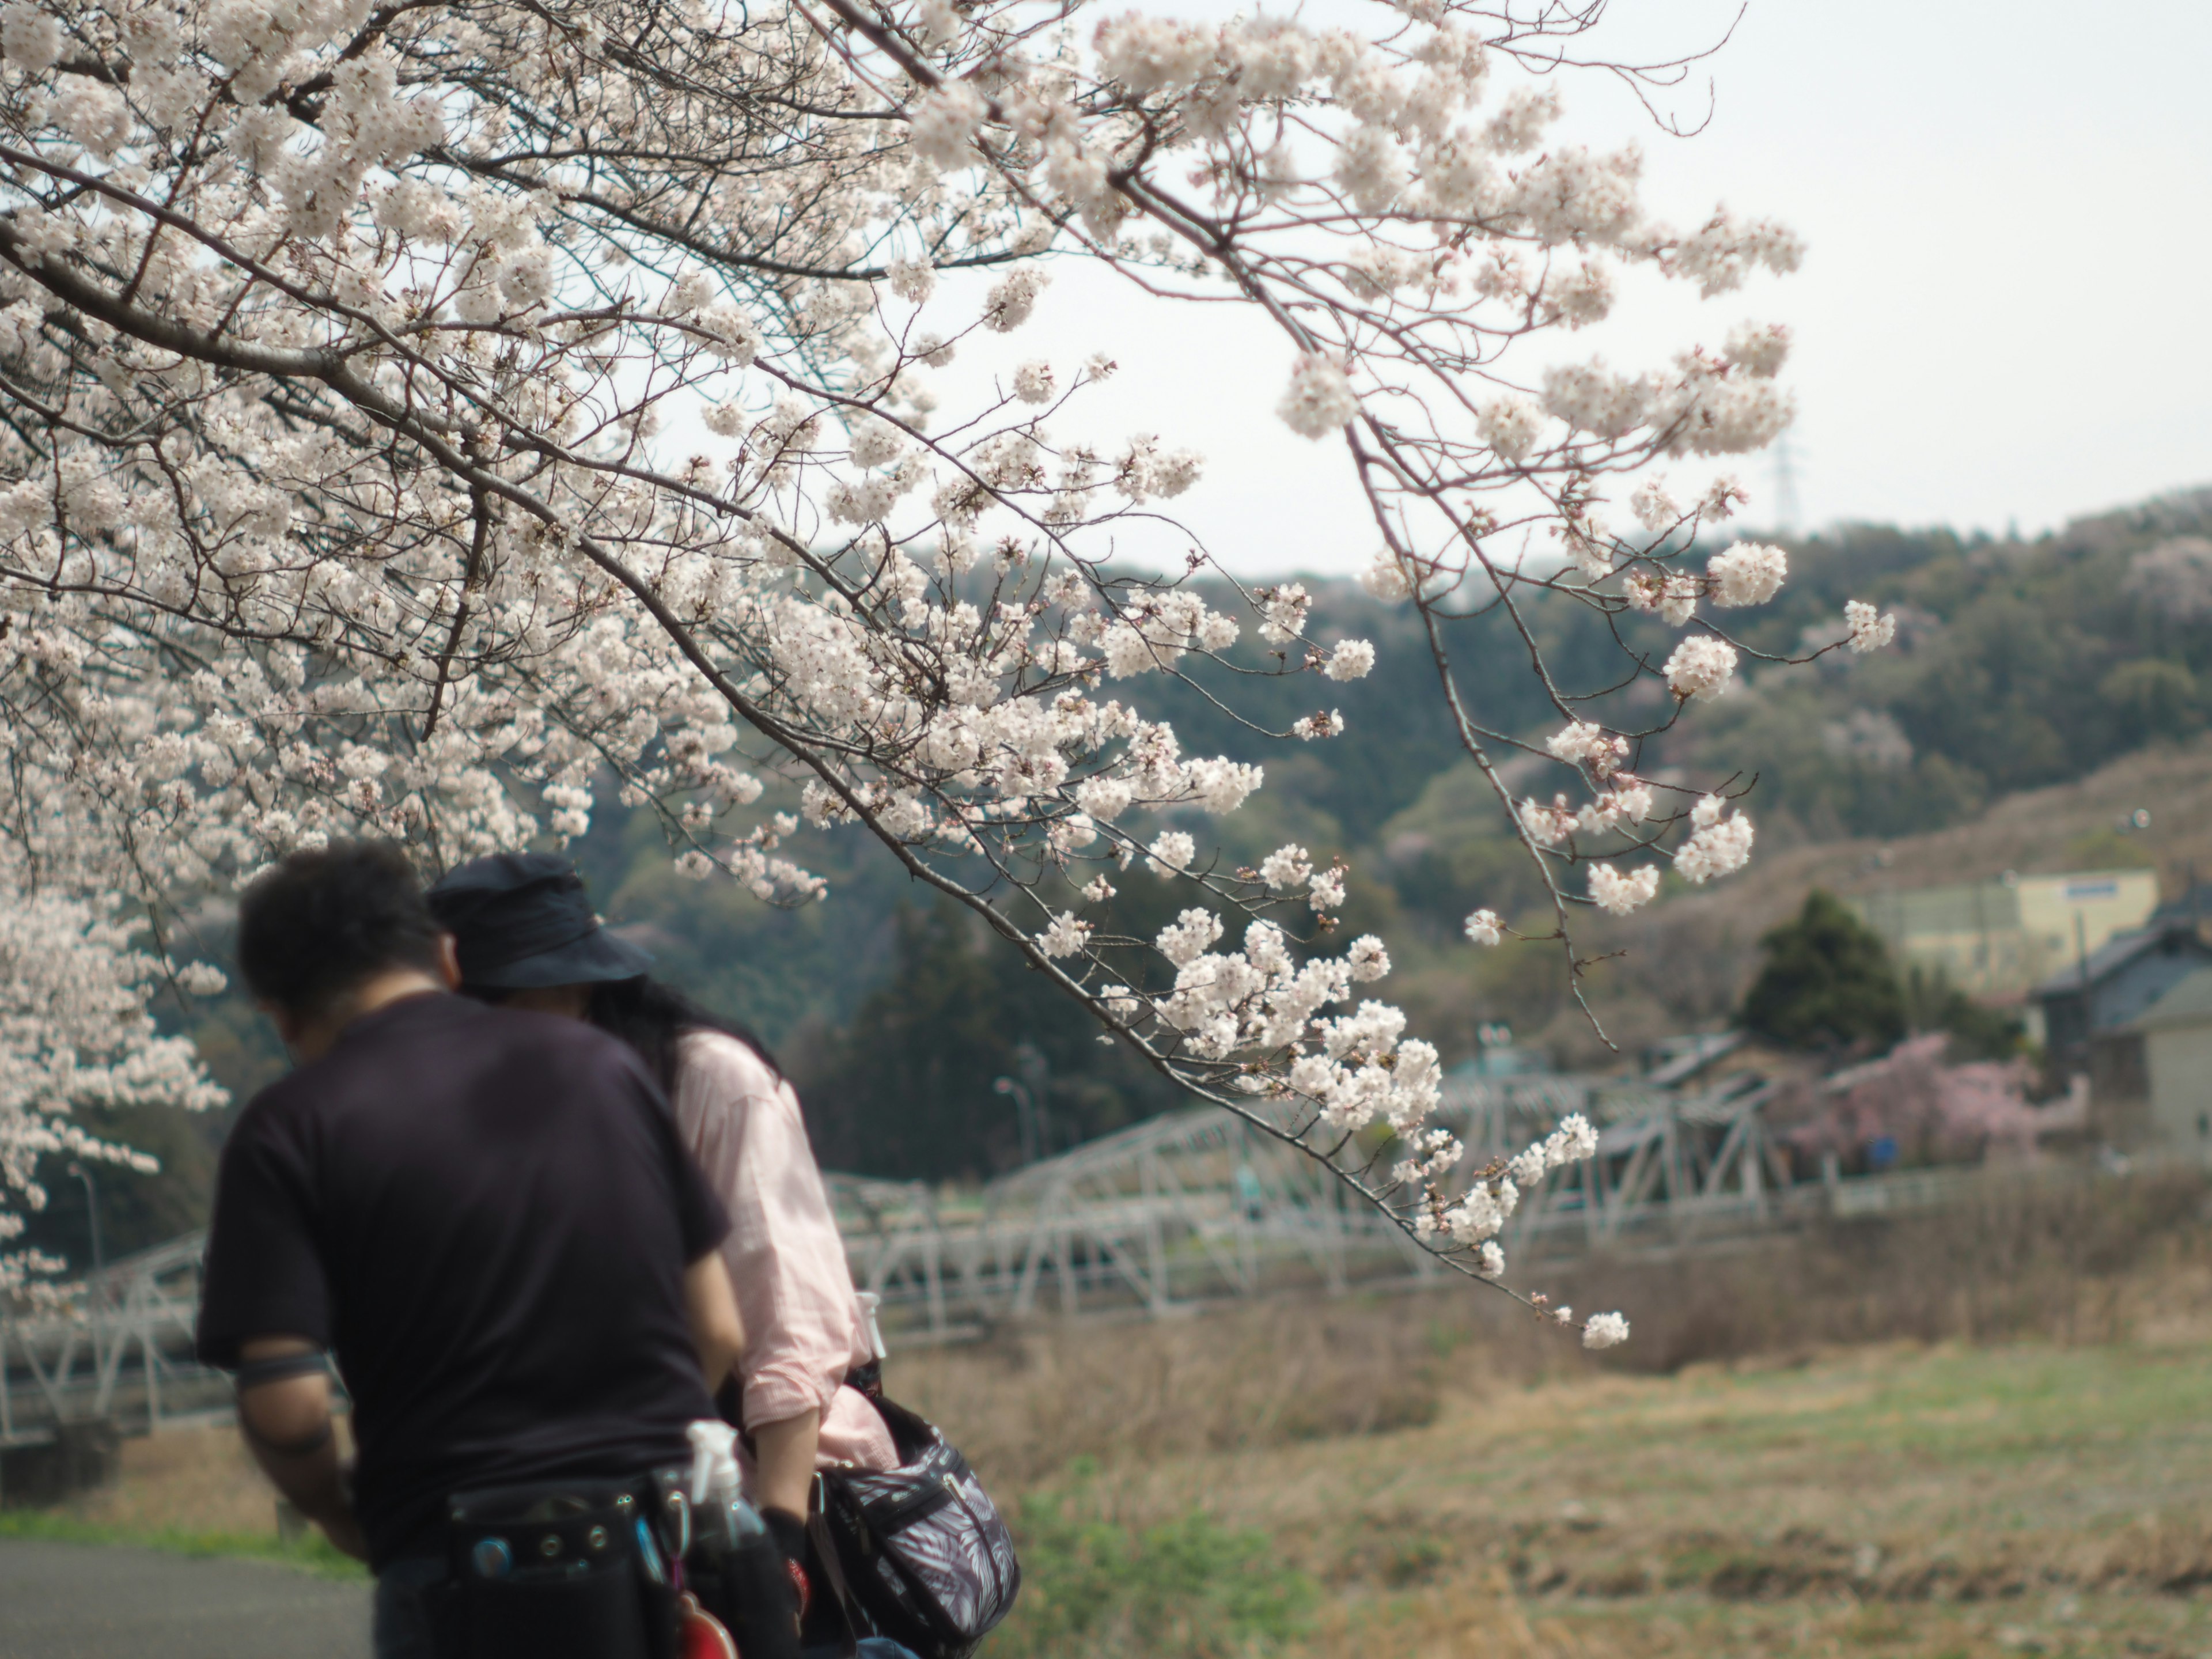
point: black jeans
(402, 1623)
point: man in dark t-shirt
(485, 1216)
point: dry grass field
(1899, 1498)
(1986, 1432)
(1983, 1434)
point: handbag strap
(833, 1570)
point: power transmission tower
(1787, 512)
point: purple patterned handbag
(922, 1553)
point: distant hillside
(2021, 666)
(1688, 959)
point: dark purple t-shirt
(485, 1216)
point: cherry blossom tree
(415, 416)
(73, 1033)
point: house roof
(2188, 1003)
(2116, 953)
(2193, 907)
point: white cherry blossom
(1605, 1330)
(1749, 572)
(1870, 630)
(1702, 666)
(1320, 399)
(1621, 891)
(432, 424)
(1717, 847)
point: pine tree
(906, 1080)
(1827, 982)
(905, 1090)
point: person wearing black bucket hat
(520, 921)
(527, 938)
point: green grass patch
(1189, 1587)
(312, 1553)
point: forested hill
(2019, 664)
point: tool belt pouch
(745, 1584)
(750, 1591)
(555, 1569)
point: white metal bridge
(123, 1353)
(1173, 1214)
(1196, 1206)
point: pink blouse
(804, 1330)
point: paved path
(97, 1602)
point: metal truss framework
(129, 1345)
(1187, 1209)
(1197, 1206)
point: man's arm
(712, 1307)
(286, 1420)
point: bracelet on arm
(255, 1372)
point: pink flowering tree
(418, 415)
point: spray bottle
(733, 1564)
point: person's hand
(789, 1532)
(345, 1535)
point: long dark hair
(653, 1018)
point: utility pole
(1024, 1113)
(1030, 1067)
(2081, 957)
(92, 1215)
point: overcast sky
(2005, 315)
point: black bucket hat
(521, 920)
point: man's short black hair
(322, 922)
